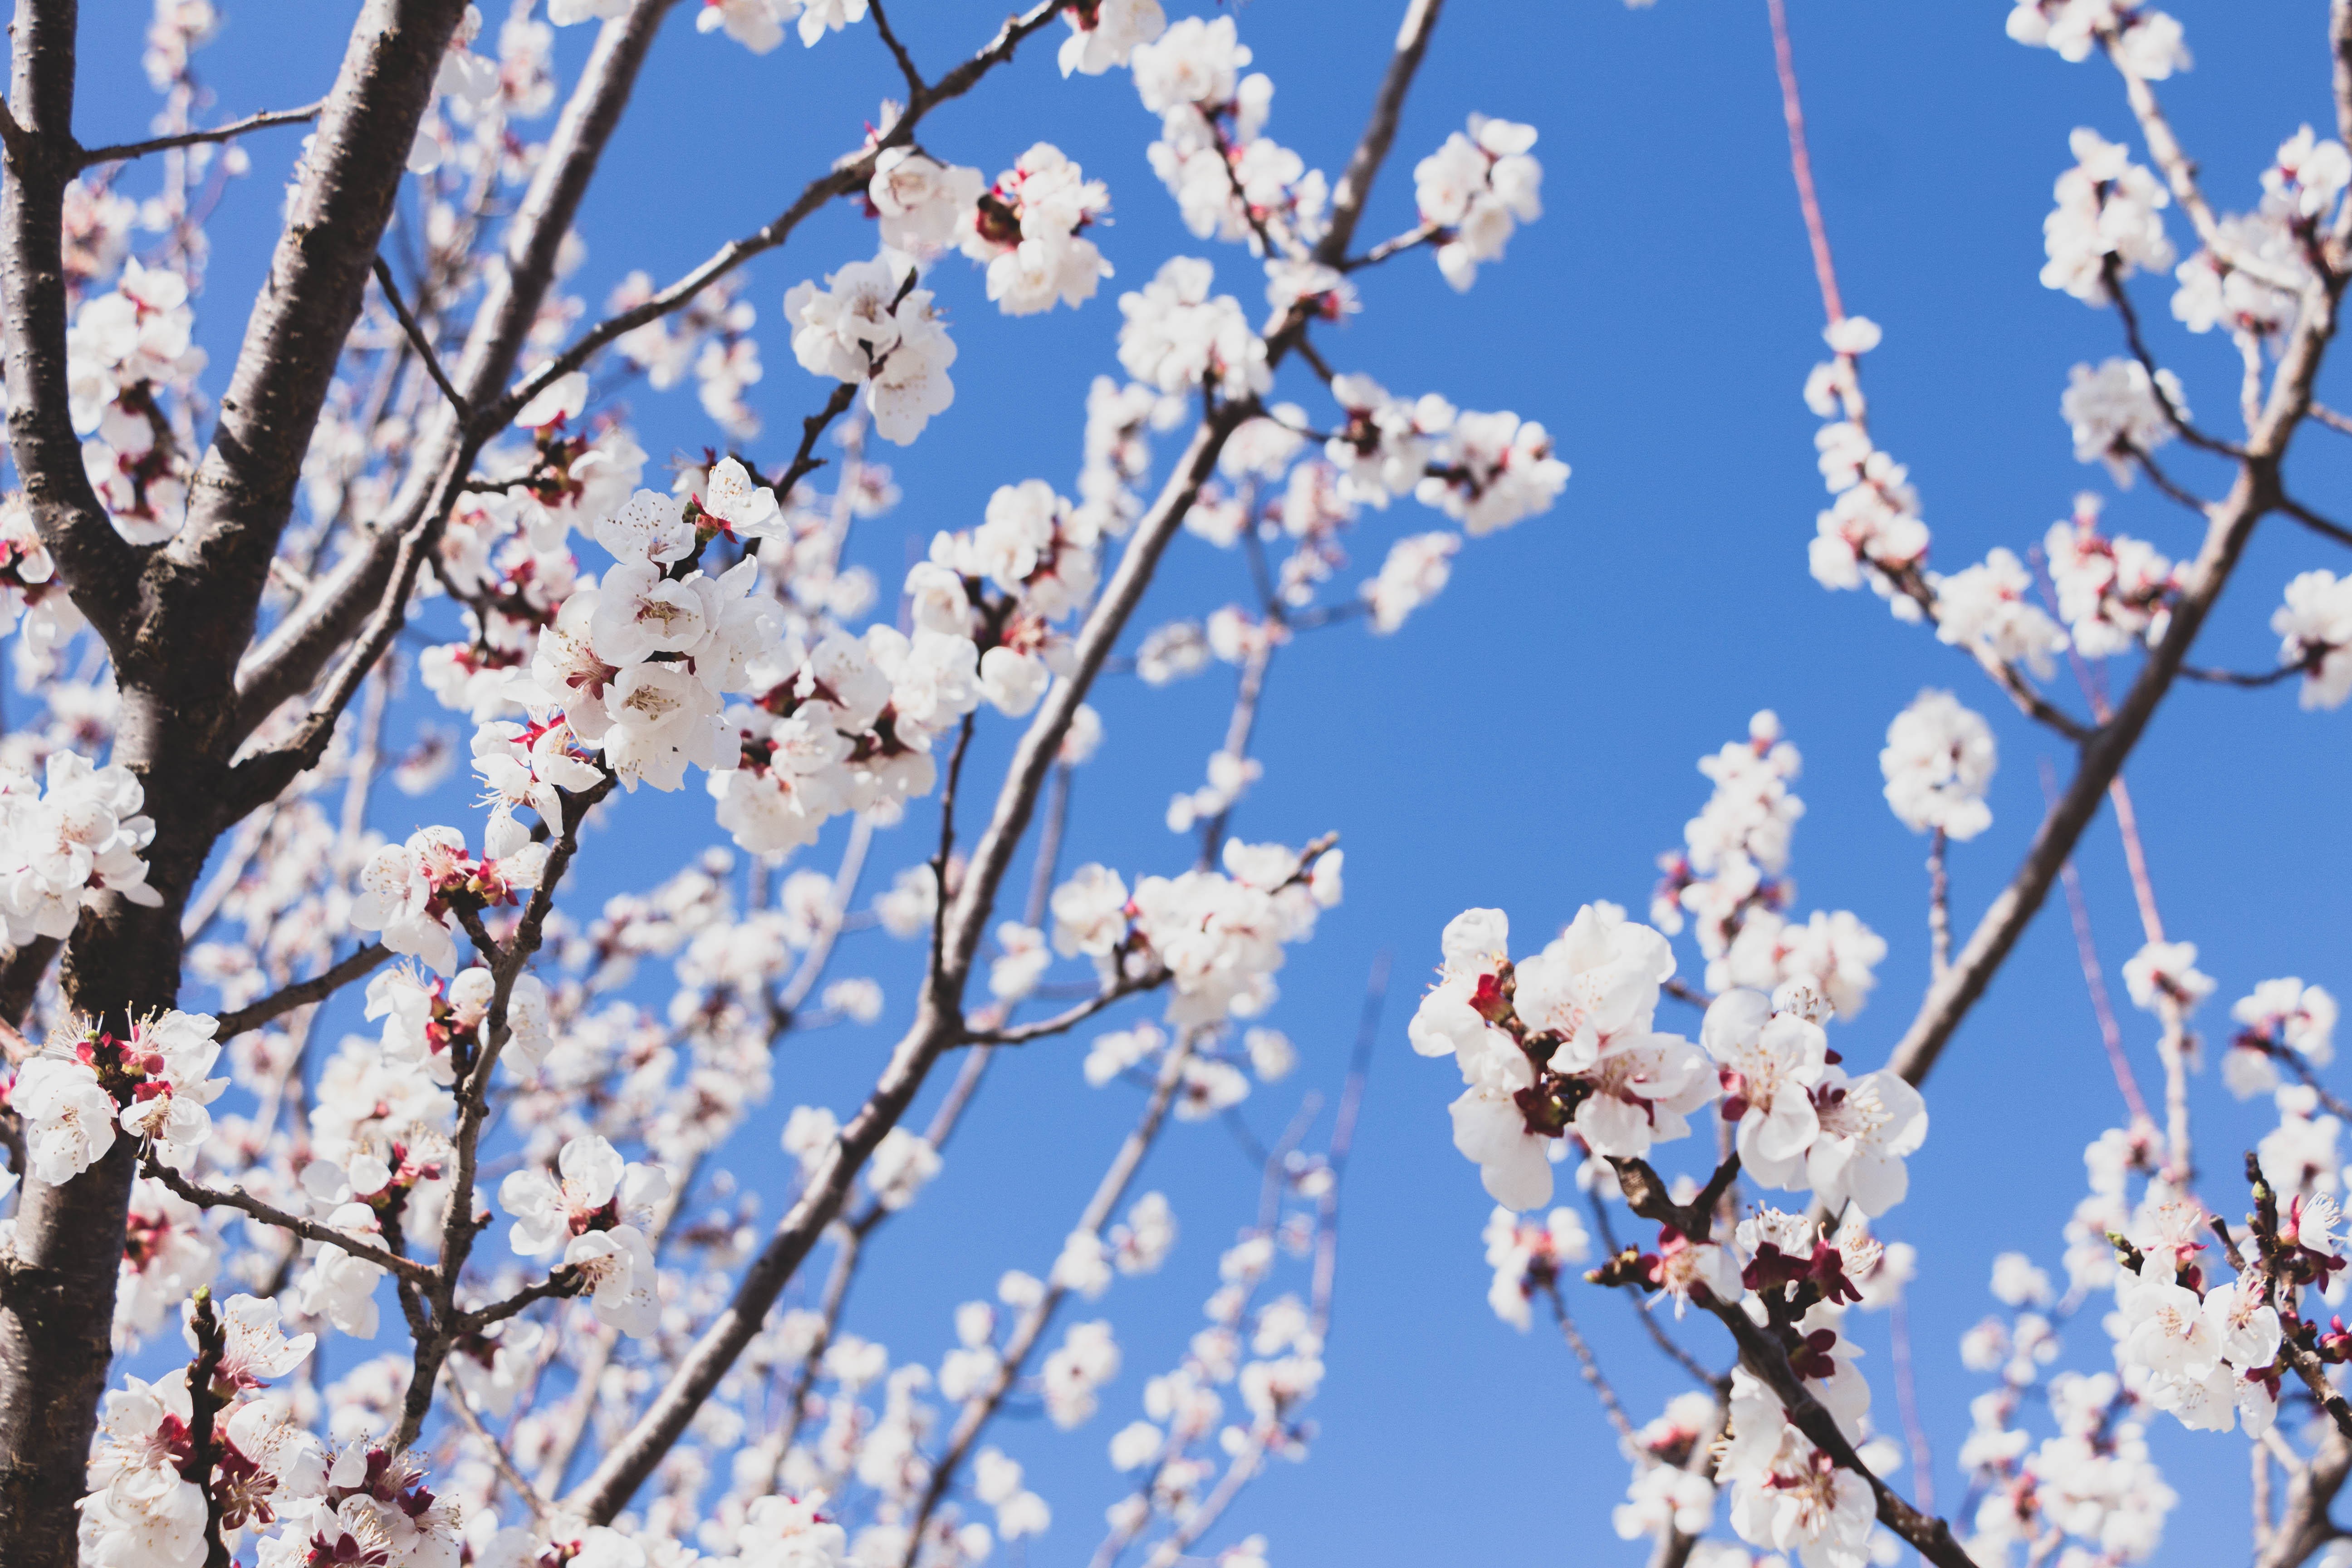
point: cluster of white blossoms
(1872, 532)
(67, 838)
(404, 891)
(2105, 225)
(2146, 43)
(2276, 1018)
(1787, 1494)
(152, 1495)
(1474, 191)
(1175, 337)
(1025, 229)
(129, 367)
(1937, 762)
(709, 338)
(2115, 592)
(870, 327)
(2253, 282)
(597, 1208)
(1557, 1042)
(1803, 1123)
(1269, 1351)
(1730, 878)
(2315, 630)
(1486, 470)
(152, 1084)
(34, 606)
(1230, 182)
(1414, 572)
(1218, 936)
(635, 667)
(1105, 32)
(1988, 611)
(757, 24)
(2209, 1356)
(2118, 412)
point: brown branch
(1589, 1367)
(1800, 164)
(500, 1461)
(124, 151)
(1354, 183)
(915, 85)
(242, 494)
(417, 339)
(2239, 678)
(2314, 521)
(309, 1230)
(2336, 422)
(1063, 1023)
(2112, 270)
(563, 1283)
(301, 993)
(21, 976)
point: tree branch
(2314, 521)
(124, 151)
(309, 1230)
(302, 993)
(416, 339)
(1063, 1023)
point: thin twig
(418, 340)
(309, 1230)
(126, 150)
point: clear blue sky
(1527, 741)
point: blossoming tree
(417, 465)
(2216, 1280)
(412, 533)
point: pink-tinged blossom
(69, 1118)
(1414, 572)
(593, 1187)
(2113, 592)
(66, 841)
(1491, 470)
(2278, 1017)
(1770, 1063)
(1528, 1255)
(1025, 229)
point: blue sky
(1527, 741)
